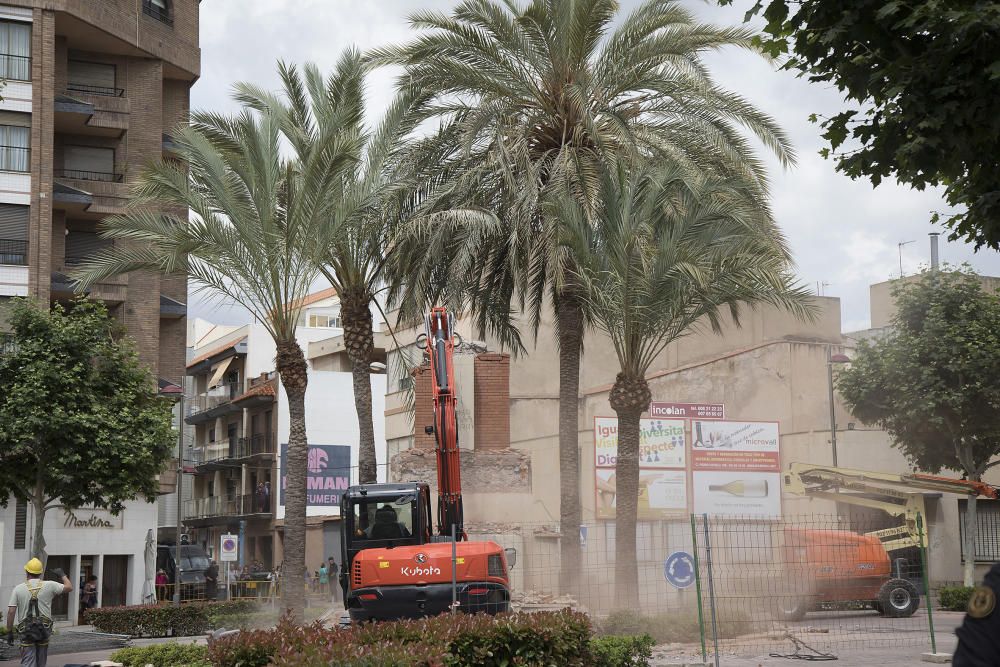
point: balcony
(94, 90)
(213, 403)
(204, 511)
(15, 68)
(233, 452)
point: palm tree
(539, 97)
(667, 254)
(377, 206)
(249, 238)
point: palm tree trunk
(629, 398)
(359, 341)
(291, 364)
(569, 327)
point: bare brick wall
(492, 400)
(173, 337)
(423, 407)
(58, 239)
(43, 45)
(176, 103)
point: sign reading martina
(687, 410)
(329, 474)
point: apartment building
(240, 419)
(92, 91)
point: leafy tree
(667, 255)
(538, 97)
(921, 82)
(933, 381)
(80, 420)
(250, 237)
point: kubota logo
(429, 571)
(420, 558)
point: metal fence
(738, 585)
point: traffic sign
(678, 569)
(230, 547)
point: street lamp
(832, 359)
(176, 392)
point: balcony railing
(159, 13)
(235, 449)
(219, 506)
(213, 398)
(13, 252)
(94, 90)
(84, 175)
(15, 68)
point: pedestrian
(88, 596)
(331, 566)
(30, 612)
(324, 579)
(162, 582)
(212, 581)
(979, 634)
(261, 502)
(267, 496)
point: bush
(192, 618)
(554, 638)
(955, 598)
(163, 655)
(612, 651)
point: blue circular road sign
(678, 569)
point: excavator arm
(439, 327)
(897, 495)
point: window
(324, 321)
(987, 529)
(15, 141)
(90, 77)
(211, 435)
(15, 51)
(89, 163)
(384, 519)
(20, 524)
(13, 234)
(158, 9)
(81, 246)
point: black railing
(161, 14)
(15, 158)
(15, 68)
(83, 175)
(204, 508)
(95, 90)
(257, 444)
(236, 449)
(13, 252)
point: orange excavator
(394, 563)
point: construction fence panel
(776, 586)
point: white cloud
(841, 232)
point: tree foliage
(80, 421)
(921, 81)
(933, 382)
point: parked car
(192, 565)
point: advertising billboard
(736, 468)
(737, 493)
(662, 467)
(329, 474)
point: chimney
(934, 250)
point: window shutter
(20, 524)
(80, 245)
(84, 73)
(89, 158)
(13, 222)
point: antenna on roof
(900, 246)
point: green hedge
(546, 638)
(613, 651)
(955, 598)
(192, 618)
(171, 654)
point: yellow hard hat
(34, 566)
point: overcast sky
(843, 233)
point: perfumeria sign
(329, 474)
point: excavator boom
(439, 328)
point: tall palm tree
(541, 96)
(377, 205)
(667, 254)
(249, 238)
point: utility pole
(900, 246)
(179, 486)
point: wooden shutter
(13, 222)
(84, 244)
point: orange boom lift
(394, 563)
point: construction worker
(979, 634)
(30, 612)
